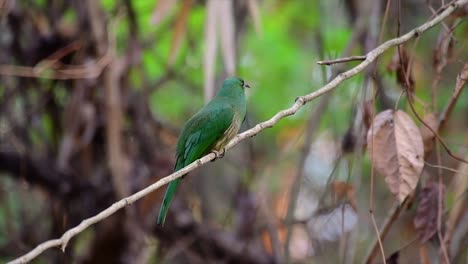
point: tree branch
(341, 60)
(300, 101)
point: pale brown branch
(341, 60)
(461, 81)
(67, 72)
(445, 168)
(300, 102)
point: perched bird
(210, 130)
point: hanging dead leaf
(348, 142)
(343, 192)
(397, 151)
(401, 66)
(427, 136)
(368, 110)
(425, 220)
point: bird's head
(233, 87)
(235, 82)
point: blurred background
(93, 95)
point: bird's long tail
(170, 192)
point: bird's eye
(242, 83)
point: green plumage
(210, 129)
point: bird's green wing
(197, 138)
(202, 132)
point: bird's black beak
(246, 85)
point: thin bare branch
(300, 102)
(341, 60)
(67, 72)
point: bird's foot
(219, 154)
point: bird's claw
(219, 154)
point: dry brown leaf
(397, 151)
(368, 110)
(348, 142)
(425, 220)
(162, 10)
(344, 192)
(180, 28)
(401, 66)
(428, 137)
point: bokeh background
(93, 95)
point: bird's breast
(229, 134)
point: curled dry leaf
(427, 136)
(425, 220)
(344, 192)
(368, 110)
(348, 142)
(401, 66)
(397, 151)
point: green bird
(210, 130)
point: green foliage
(173, 100)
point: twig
(300, 102)
(445, 168)
(385, 228)
(439, 138)
(341, 60)
(53, 59)
(371, 197)
(86, 71)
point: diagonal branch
(300, 101)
